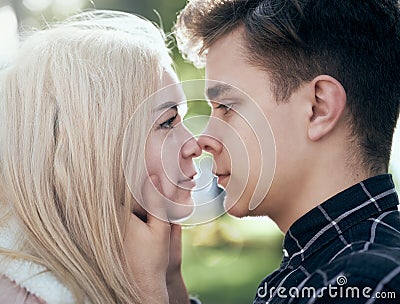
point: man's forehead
(232, 42)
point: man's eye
(168, 124)
(225, 107)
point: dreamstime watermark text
(337, 290)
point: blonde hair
(65, 103)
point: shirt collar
(342, 211)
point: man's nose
(210, 144)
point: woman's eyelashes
(169, 123)
(168, 119)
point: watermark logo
(337, 289)
(341, 280)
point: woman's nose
(191, 148)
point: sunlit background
(225, 259)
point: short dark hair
(355, 41)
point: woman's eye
(225, 107)
(168, 124)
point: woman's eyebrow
(166, 105)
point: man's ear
(327, 106)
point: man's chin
(237, 209)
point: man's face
(253, 138)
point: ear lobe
(328, 106)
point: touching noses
(193, 148)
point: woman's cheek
(167, 187)
(153, 159)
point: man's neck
(317, 188)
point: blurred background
(225, 259)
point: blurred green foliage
(224, 261)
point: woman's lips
(188, 183)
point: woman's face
(170, 149)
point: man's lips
(222, 177)
(221, 174)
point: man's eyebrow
(217, 90)
(166, 105)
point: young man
(326, 75)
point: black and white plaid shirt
(346, 250)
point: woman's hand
(176, 287)
(147, 245)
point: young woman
(70, 229)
